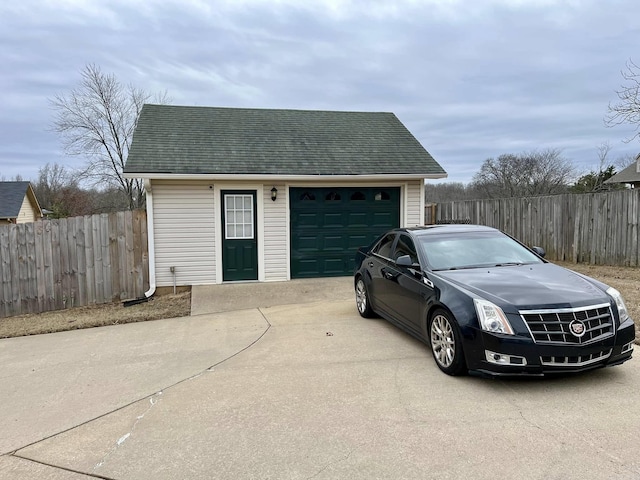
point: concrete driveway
(304, 389)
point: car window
(474, 249)
(384, 247)
(405, 246)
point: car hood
(542, 285)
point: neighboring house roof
(631, 174)
(242, 141)
(12, 196)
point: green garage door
(329, 224)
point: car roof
(448, 228)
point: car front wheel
(362, 299)
(446, 346)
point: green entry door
(239, 235)
(329, 224)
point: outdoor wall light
(274, 193)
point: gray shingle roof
(212, 140)
(630, 174)
(11, 198)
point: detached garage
(271, 195)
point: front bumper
(506, 355)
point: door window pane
(384, 247)
(405, 246)
(238, 216)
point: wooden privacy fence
(56, 264)
(599, 228)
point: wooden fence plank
(97, 258)
(65, 269)
(6, 308)
(114, 259)
(32, 270)
(56, 266)
(41, 284)
(129, 256)
(73, 262)
(89, 260)
(47, 266)
(633, 234)
(81, 261)
(16, 300)
(137, 274)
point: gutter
(150, 240)
(269, 178)
(152, 252)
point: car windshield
(474, 250)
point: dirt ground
(625, 279)
(160, 306)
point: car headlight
(622, 308)
(491, 317)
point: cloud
(470, 80)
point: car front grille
(578, 361)
(552, 326)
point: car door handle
(388, 274)
(370, 264)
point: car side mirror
(539, 251)
(405, 261)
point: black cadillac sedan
(487, 304)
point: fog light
(627, 348)
(502, 359)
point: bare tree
(58, 190)
(593, 181)
(603, 152)
(623, 161)
(17, 178)
(627, 110)
(449, 192)
(97, 120)
(52, 179)
(532, 173)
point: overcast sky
(470, 79)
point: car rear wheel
(362, 299)
(446, 345)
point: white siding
(276, 243)
(414, 207)
(27, 213)
(184, 232)
(186, 227)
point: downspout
(150, 240)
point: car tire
(362, 299)
(445, 342)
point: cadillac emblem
(577, 328)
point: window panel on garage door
(329, 224)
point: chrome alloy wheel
(443, 342)
(361, 296)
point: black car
(487, 304)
